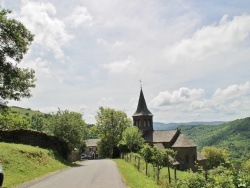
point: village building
(91, 150)
(187, 156)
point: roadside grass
(132, 177)
(22, 163)
(163, 182)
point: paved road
(89, 174)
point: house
(91, 148)
(187, 155)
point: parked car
(1, 176)
(83, 156)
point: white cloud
(80, 16)
(211, 40)
(178, 96)
(50, 32)
(129, 66)
(232, 91)
(39, 65)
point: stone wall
(35, 138)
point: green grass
(132, 177)
(127, 168)
(25, 112)
(22, 163)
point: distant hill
(233, 136)
(169, 126)
(25, 112)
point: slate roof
(159, 136)
(183, 141)
(159, 145)
(200, 157)
(142, 108)
(92, 142)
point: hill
(25, 112)
(169, 126)
(22, 163)
(233, 136)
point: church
(187, 156)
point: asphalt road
(87, 174)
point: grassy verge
(22, 163)
(132, 177)
(163, 182)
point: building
(91, 148)
(187, 155)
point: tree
(215, 156)
(110, 125)
(10, 121)
(15, 82)
(68, 126)
(147, 153)
(132, 140)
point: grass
(132, 177)
(22, 163)
(25, 112)
(127, 167)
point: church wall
(188, 155)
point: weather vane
(140, 83)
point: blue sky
(192, 56)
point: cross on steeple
(140, 83)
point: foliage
(147, 153)
(68, 126)
(10, 121)
(132, 140)
(15, 83)
(110, 125)
(192, 180)
(215, 156)
(233, 136)
(22, 163)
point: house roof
(183, 141)
(200, 157)
(159, 136)
(142, 108)
(159, 145)
(92, 142)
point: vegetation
(68, 126)
(233, 136)
(132, 177)
(132, 140)
(22, 163)
(15, 82)
(110, 126)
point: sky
(193, 57)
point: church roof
(159, 136)
(200, 157)
(183, 141)
(142, 108)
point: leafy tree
(132, 140)
(215, 156)
(110, 125)
(147, 153)
(10, 121)
(38, 122)
(15, 83)
(68, 126)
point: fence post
(139, 163)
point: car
(1, 176)
(83, 156)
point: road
(87, 174)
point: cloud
(178, 96)
(80, 16)
(40, 66)
(129, 66)
(211, 40)
(232, 91)
(50, 32)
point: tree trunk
(158, 174)
(169, 177)
(146, 168)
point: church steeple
(143, 118)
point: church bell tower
(143, 118)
